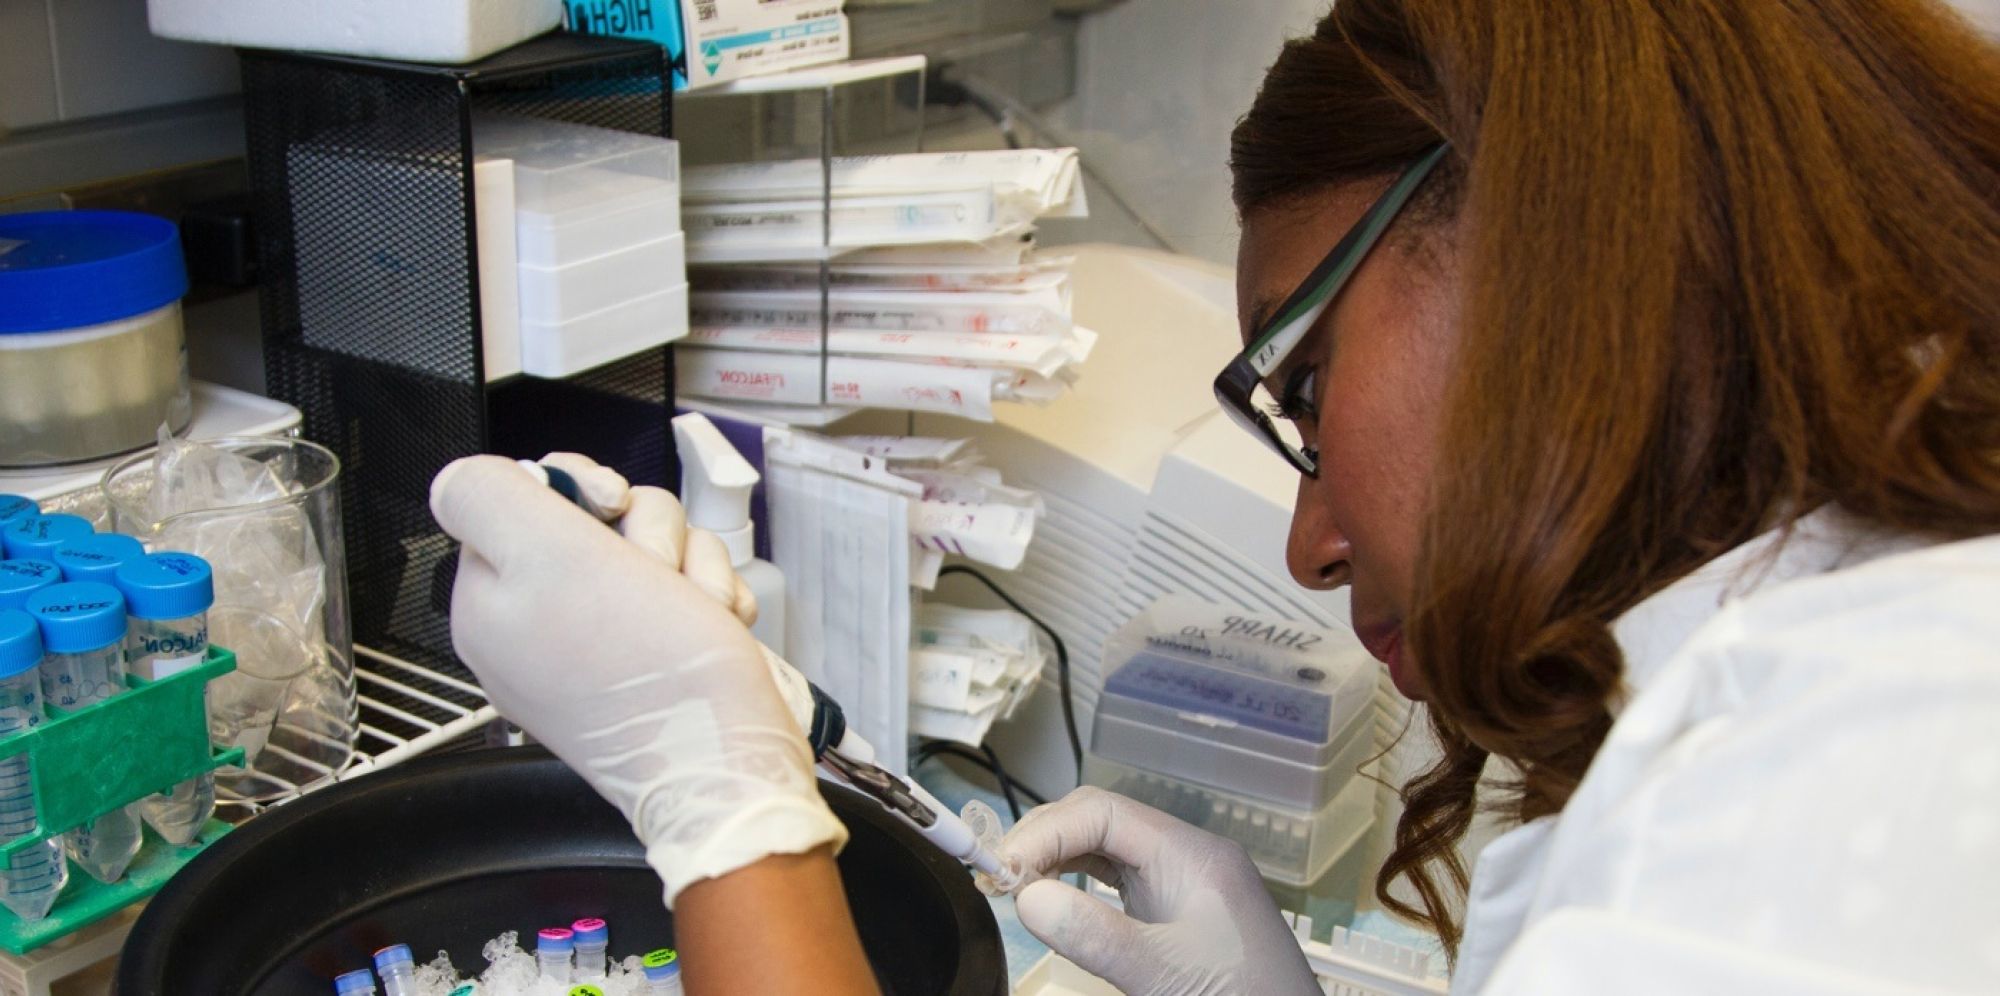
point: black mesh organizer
(362, 174)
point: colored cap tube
(78, 617)
(661, 964)
(37, 536)
(14, 506)
(96, 557)
(585, 990)
(555, 939)
(167, 586)
(358, 981)
(20, 642)
(21, 578)
(591, 932)
(392, 956)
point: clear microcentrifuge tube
(168, 596)
(360, 982)
(592, 937)
(553, 947)
(985, 823)
(663, 972)
(83, 663)
(398, 970)
(34, 878)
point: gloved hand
(628, 670)
(653, 520)
(1196, 919)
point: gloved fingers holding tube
(1196, 920)
(637, 676)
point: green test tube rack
(87, 762)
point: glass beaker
(265, 513)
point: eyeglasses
(1242, 387)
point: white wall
(1160, 84)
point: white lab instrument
(446, 31)
(30, 883)
(715, 486)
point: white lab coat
(1801, 793)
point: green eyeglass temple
(1236, 386)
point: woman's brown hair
(1724, 261)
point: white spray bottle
(715, 488)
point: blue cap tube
(38, 536)
(167, 585)
(21, 578)
(96, 557)
(14, 506)
(78, 617)
(351, 983)
(20, 642)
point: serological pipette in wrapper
(845, 757)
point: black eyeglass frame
(1236, 386)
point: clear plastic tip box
(1249, 726)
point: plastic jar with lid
(92, 355)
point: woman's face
(1380, 355)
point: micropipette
(847, 758)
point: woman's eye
(1299, 400)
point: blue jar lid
(21, 578)
(78, 616)
(359, 981)
(393, 955)
(96, 557)
(167, 585)
(14, 506)
(69, 269)
(38, 536)
(20, 642)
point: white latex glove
(1196, 918)
(629, 671)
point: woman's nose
(1317, 551)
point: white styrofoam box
(447, 31)
(592, 340)
(552, 295)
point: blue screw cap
(20, 642)
(392, 956)
(591, 932)
(359, 981)
(14, 506)
(167, 585)
(78, 617)
(96, 557)
(38, 536)
(21, 578)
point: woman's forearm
(778, 926)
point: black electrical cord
(1062, 659)
(986, 759)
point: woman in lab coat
(1641, 362)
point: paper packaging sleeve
(793, 379)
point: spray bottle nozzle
(715, 485)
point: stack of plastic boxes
(1248, 726)
(600, 260)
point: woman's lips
(1385, 644)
